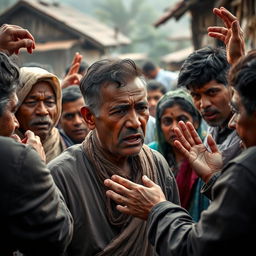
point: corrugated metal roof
(79, 22)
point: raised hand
(13, 37)
(35, 142)
(132, 198)
(231, 34)
(73, 77)
(203, 162)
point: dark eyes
(167, 121)
(48, 103)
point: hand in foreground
(203, 162)
(13, 37)
(32, 140)
(132, 198)
(73, 77)
(231, 34)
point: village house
(60, 31)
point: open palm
(204, 162)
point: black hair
(164, 147)
(71, 93)
(203, 66)
(242, 77)
(153, 85)
(9, 80)
(103, 72)
(148, 66)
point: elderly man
(34, 219)
(73, 128)
(116, 112)
(39, 97)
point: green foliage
(134, 18)
(5, 4)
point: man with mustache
(39, 109)
(116, 112)
(204, 74)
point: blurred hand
(203, 162)
(35, 142)
(132, 198)
(73, 77)
(13, 37)
(231, 34)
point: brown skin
(169, 121)
(231, 34)
(38, 110)
(121, 122)
(212, 101)
(8, 121)
(132, 198)
(13, 37)
(72, 122)
(243, 122)
(153, 98)
(73, 77)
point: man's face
(72, 122)
(8, 121)
(151, 74)
(212, 101)
(243, 123)
(122, 118)
(153, 97)
(38, 111)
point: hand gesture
(132, 198)
(231, 34)
(73, 77)
(32, 140)
(13, 37)
(203, 162)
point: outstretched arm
(231, 34)
(13, 37)
(205, 163)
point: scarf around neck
(132, 239)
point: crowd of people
(114, 159)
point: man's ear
(89, 117)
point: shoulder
(67, 159)
(246, 158)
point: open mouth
(41, 125)
(133, 140)
(172, 138)
(210, 115)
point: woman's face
(169, 120)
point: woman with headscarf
(173, 107)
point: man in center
(116, 112)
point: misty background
(134, 18)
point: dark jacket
(227, 227)
(34, 219)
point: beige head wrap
(29, 76)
